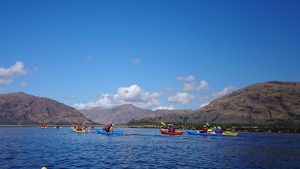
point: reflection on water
(144, 148)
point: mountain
(263, 103)
(124, 113)
(94, 113)
(119, 114)
(22, 108)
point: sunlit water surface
(28, 148)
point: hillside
(262, 103)
(124, 113)
(22, 108)
(118, 114)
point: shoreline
(249, 129)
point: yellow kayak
(79, 131)
(226, 133)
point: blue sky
(171, 54)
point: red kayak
(164, 131)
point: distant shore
(18, 125)
(236, 129)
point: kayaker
(219, 130)
(204, 130)
(108, 128)
(79, 128)
(171, 128)
(92, 127)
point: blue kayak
(202, 134)
(110, 133)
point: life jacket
(172, 129)
(106, 128)
(219, 131)
(79, 128)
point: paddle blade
(162, 123)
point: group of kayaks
(98, 132)
(162, 131)
(225, 133)
(194, 132)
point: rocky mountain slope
(262, 103)
(22, 108)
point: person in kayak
(219, 130)
(171, 128)
(79, 128)
(108, 128)
(105, 128)
(204, 129)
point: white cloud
(189, 87)
(7, 74)
(227, 90)
(189, 78)
(133, 94)
(190, 84)
(171, 107)
(203, 104)
(203, 85)
(16, 69)
(182, 98)
(136, 61)
(2, 89)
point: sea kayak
(78, 131)
(164, 131)
(202, 134)
(225, 133)
(119, 133)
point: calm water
(144, 148)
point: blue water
(29, 148)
